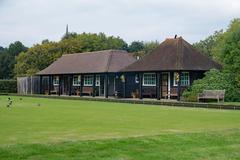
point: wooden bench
(212, 94)
(53, 92)
(87, 90)
(173, 92)
(149, 92)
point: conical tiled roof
(173, 54)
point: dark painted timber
(140, 75)
(40, 85)
(179, 87)
(93, 86)
(106, 85)
(81, 86)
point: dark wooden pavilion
(91, 73)
(168, 70)
(163, 73)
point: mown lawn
(39, 128)
(232, 103)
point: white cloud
(31, 21)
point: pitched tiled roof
(90, 62)
(173, 54)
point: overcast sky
(31, 21)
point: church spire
(67, 31)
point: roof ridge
(92, 52)
(109, 60)
(181, 53)
(203, 55)
(179, 57)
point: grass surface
(39, 128)
(232, 103)
(188, 146)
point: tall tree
(15, 48)
(136, 46)
(1, 49)
(205, 46)
(228, 50)
(7, 59)
(150, 46)
(139, 49)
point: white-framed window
(88, 80)
(149, 79)
(55, 80)
(97, 83)
(185, 81)
(77, 80)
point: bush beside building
(8, 86)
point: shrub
(214, 80)
(8, 86)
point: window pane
(55, 80)
(77, 80)
(184, 79)
(88, 80)
(97, 80)
(149, 79)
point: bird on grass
(10, 102)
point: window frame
(148, 84)
(55, 81)
(79, 80)
(98, 80)
(85, 80)
(182, 79)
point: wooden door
(164, 85)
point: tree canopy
(7, 59)
(136, 46)
(40, 56)
(206, 46)
(225, 48)
(139, 49)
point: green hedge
(214, 80)
(8, 86)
